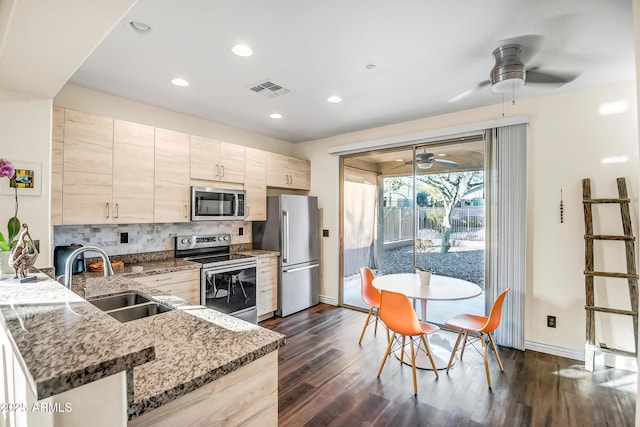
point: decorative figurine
(23, 255)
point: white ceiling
(425, 53)
(40, 47)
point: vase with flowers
(13, 226)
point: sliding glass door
(417, 206)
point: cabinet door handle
(186, 210)
(106, 207)
(217, 171)
(222, 169)
(117, 211)
(291, 179)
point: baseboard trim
(328, 300)
(555, 350)
(608, 360)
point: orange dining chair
(371, 297)
(481, 325)
(397, 313)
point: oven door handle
(308, 267)
(226, 268)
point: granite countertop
(147, 268)
(166, 355)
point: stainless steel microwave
(211, 204)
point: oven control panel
(201, 242)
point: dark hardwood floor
(327, 379)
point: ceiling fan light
(508, 85)
(424, 165)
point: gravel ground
(462, 262)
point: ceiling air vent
(269, 89)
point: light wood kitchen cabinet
(183, 284)
(217, 160)
(88, 168)
(288, 172)
(172, 192)
(57, 164)
(133, 166)
(106, 170)
(255, 184)
(267, 298)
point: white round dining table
(440, 288)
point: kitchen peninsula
(182, 367)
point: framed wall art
(27, 179)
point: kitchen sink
(129, 306)
(119, 301)
(138, 312)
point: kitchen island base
(101, 403)
(247, 396)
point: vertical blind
(507, 229)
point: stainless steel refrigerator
(292, 229)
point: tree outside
(452, 187)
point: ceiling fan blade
(446, 162)
(540, 77)
(467, 92)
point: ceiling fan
(426, 160)
(510, 73)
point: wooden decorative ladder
(589, 273)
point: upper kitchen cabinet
(133, 173)
(88, 168)
(57, 164)
(217, 160)
(105, 168)
(288, 172)
(171, 176)
(255, 184)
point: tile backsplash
(145, 237)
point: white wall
(567, 138)
(25, 135)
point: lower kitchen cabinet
(267, 286)
(182, 284)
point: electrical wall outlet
(325, 233)
(551, 321)
(240, 231)
(124, 237)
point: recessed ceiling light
(242, 50)
(399, 160)
(180, 82)
(276, 116)
(442, 155)
(334, 99)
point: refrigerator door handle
(285, 236)
(308, 267)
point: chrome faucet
(68, 273)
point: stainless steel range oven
(227, 281)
